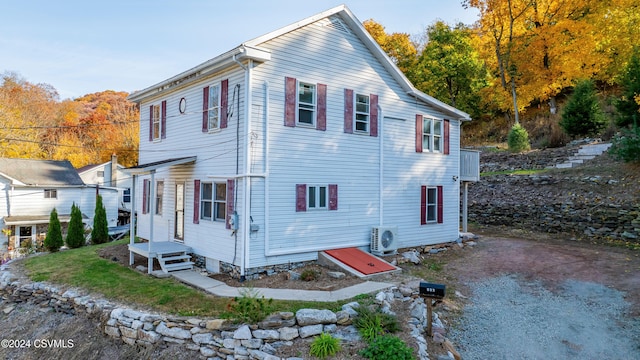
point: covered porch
(172, 256)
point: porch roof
(147, 168)
(37, 219)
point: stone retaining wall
(586, 207)
(217, 338)
(581, 220)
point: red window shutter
(196, 201)
(163, 124)
(224, 102)
(301, 197)
(440, 205)
(145, 190)
(230, 192)
(321, 120)
(446, 136)
(348, 111)
(205, 109)
(290, 101)
(151, 123)
(419, 123)
(373, 115)
(423, 205)
(333, 197)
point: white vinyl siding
(317, 55)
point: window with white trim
(306, 103)
(362, 113)
(213, 201)
(432, 205)
(50, 193)
(155, 122)
(214, 107)
(126, 195)
(432, 135)
(159, 193)
(317, 197)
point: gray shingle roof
(41, 172)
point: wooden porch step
(174, 258)
(184, 265)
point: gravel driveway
(548, 300)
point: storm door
(179, 213)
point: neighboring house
(111, 174)
(30, 189)
(305, 139)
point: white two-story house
(305, 139)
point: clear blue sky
(87, 46)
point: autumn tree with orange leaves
(35, 124)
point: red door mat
(360, 260)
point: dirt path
(532, 299)
(552, 262)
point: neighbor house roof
(40, 172)
(93, 166)
(252, 50)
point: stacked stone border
(217, 338)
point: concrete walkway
(219, 288)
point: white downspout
(266, 166)
(151, 210)
(247, 169)
(132, 217)
(381, 166)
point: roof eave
(446, 108)
(230, 58)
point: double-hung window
(214, 107)
(155, 122)
(318, 197)
(213, 201)
(432, 205)
(432, 135)
(306, 103)
(362, 113)
(126, 195)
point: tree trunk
(515, 100)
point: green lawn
(83, 268)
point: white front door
(179, 212)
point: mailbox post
(431, 291)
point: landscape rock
(313, 316)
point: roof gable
(90, 167)
(40, 172)
(340, 18)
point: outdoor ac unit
(384, 240)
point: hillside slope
(597, 201)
